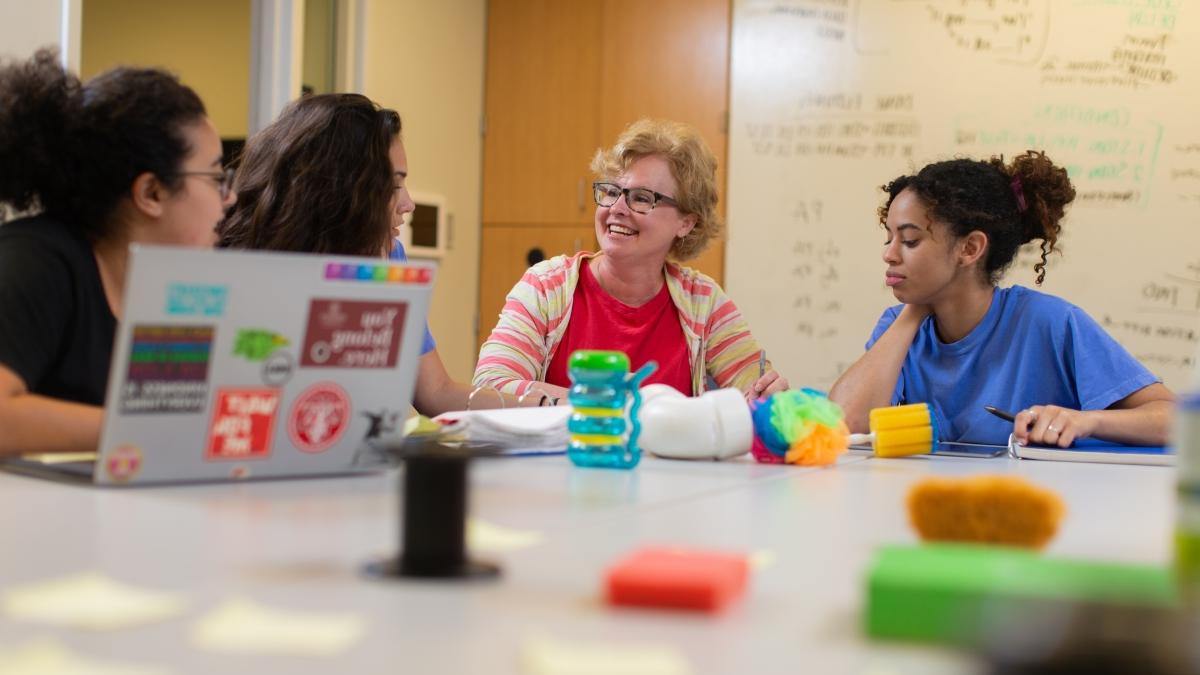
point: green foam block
(960, 593)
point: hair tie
(1019, 192)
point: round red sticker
(123, 463)
(319, 417)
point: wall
(831, 99)
(319, 18)
(425, 59)
(206, 43)
(26, 26)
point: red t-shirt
(651, 332)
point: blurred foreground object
(985, 509)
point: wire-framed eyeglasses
(223, 178)
(641, 200)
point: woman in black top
(127, 157)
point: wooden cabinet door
(670, 60)
(506, 254)
(541, 106)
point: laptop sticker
(123, 463)
(319, 417)
(196, 299)
(168, 369)
(243, 424)
(371, 452)
(256, 344)
(278, 369)
(396, 274)
(352, 334)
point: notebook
(518, 431)
(1092, 450)
(231, 365)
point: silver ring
(1050, 427)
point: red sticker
(348, 334)
(319, 417)
(123, 463)
(242, 424)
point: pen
(1002, 414)
(762, 363)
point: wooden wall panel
(542, 95)
(671, 61)
(507, 248)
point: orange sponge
(985, 509)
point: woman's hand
(768, 384)
(869, 382)
(915, 312)
(1052, 425)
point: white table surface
(302, 544)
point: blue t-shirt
(1029, 349)
(427, 345)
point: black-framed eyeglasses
(224, 179)
(641, 200)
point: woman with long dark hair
(328, 176)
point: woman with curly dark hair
(127, 157)
(958, 342)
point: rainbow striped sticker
(383, 273)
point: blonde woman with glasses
(656, 205)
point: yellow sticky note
(550, 657)
(242, 626)
(420, 424)
(47, 657)
(91, 601)
(484, 537)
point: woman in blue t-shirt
(959, 343)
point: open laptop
(237, 364)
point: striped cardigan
(538, 309)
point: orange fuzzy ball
(985, 509)
(821, 446)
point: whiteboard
(830, 99)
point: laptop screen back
(234, 364)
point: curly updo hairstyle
(1013, 203)
(73, 149)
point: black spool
(434, 508)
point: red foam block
(677, 578)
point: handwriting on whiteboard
(826, 19)
(1110, 152)
(1137, 61)
(1009, 31)
(840, 125)
(1184, 172)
